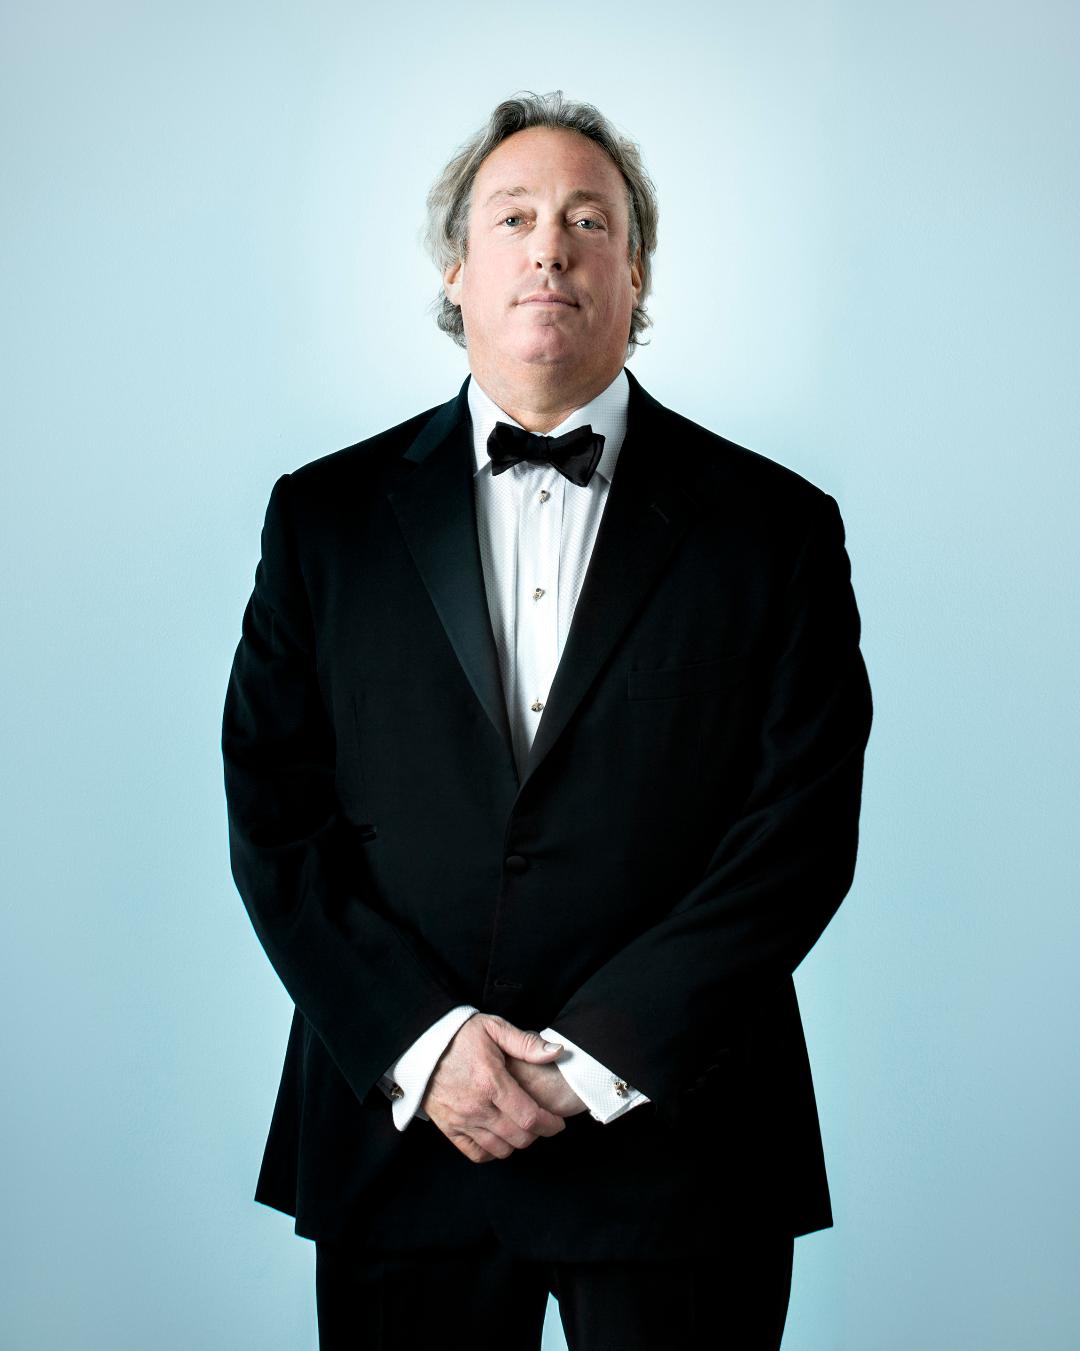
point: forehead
(546, 160)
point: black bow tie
(574, 455)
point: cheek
(615, 294)
(488, 286)
(475, 303)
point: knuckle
(490, 1144)
(483, 1094)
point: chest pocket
(701, 677)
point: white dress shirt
(536, 534)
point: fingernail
(552, 1045)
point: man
(543, 760)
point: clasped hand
(496, 1089)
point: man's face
(546, 278)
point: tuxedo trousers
(481, 1297)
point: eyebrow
(578, 196)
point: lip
(547, 298)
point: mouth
(548, 298)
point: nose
(549, 247)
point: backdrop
(867, 271)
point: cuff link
(621, 1087)
(396, 1091)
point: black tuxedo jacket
(684, 829)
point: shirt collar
(606, 414)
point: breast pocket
(700, 677)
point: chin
(545, 349)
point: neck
(542, 396)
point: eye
(590, 223)
(511, 220)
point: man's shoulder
(720, 469)
(369, 458)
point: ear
(637, 274)
(451, 278)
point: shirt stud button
(538, 593)
(536, 706)
(544, 494)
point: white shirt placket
(536, 629)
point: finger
(494, 1144)
(484, 1115)
(523, 1109)
(506, 1129)
(525, 1045)
(472, 1151)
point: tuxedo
(682, 829)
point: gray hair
(449, 200)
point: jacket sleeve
(299, 869)
(664, 1003)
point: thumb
(523, 1045)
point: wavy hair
(448, 202)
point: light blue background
(867, 270)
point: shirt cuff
(405, 1081)
(603, 1093)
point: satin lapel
(647, 513)
(436, 510)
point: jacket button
(515, 863)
